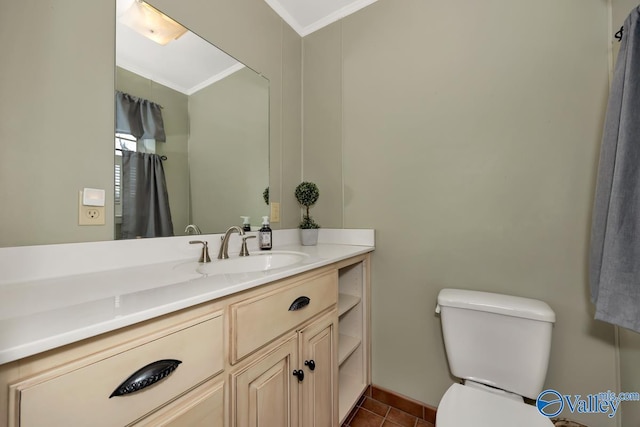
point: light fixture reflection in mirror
(216, 119)
(151, 23)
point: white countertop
(40, 313)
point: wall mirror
(215, 113)
(57, 131)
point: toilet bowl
(463, 406)
(498, 345)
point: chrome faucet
(224, 246)
(204, 255)
(192, 227)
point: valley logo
(551, 403)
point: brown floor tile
(362, 399)
(353, 411)
(430, 414)
(364, 418)
(350, 416)
(395, 401)
(375, 406)
(367, 392)
(401, 418)
(381, 408)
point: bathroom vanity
(286, 346)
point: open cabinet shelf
(346, 302)
(346, 346)
(353, 338)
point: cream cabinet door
(202, 407)
(318, 345)
(265, 393)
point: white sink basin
(262, 261)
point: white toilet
(499, 345)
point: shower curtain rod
(161, 157)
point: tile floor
(382, 408)
(377, 409)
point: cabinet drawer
(257, 321)
(79, 393)
(202, 407)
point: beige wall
(467, 135)
(322, 148)
(229, 151)
(56, 108)
(56, 112)
(629, 375)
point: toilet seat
(464, 406)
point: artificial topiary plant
(265, 195)
(307, 194)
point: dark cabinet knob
(311, 364)
(299, 374)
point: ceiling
(307, 16)
(190, 63)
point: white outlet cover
(93, 197)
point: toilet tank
(499, 340)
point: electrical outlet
(90, 215)
(275, 212)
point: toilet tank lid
(507, 305)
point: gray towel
(614, 267)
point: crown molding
(320, 23)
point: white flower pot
(309, 236)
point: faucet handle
(244, 251)
(204, 256)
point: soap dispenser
(264, 235)
(245, 223)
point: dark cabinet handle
(300, 302)
(311, 364)
(299, 374)
(146, 376)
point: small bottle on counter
(245, 223)
(264, 235)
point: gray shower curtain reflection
(145, 201)
(614, 268)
